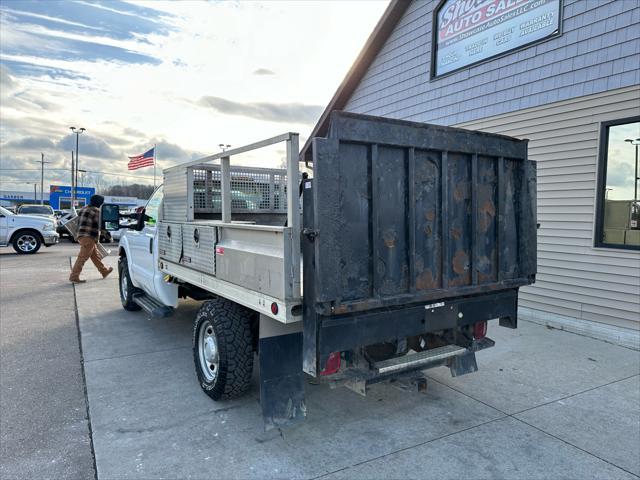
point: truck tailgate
(407, 212)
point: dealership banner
(60, 196)
(468, 31)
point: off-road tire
(126, 298)
(232, 329)
(20, 236)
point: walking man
(88, 236)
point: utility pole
(42, 162)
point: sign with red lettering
(468, 31)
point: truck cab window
(153, 207)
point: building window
(618, 207)
(470, 31)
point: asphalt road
(44, 432)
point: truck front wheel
(27, 241)
(223, 348)
(126, 286)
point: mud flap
(281, 376)
(463, 364)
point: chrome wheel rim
(124, 287)
(27, 243)
(208, 353)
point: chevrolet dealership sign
(469, 31)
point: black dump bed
(404, 212)
(407, 212)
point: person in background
(88, 235)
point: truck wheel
(27, 242)
(223, 349)
(126, 286)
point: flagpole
(154, 166)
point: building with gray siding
(572, 88)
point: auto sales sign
(469, 31)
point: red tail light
(333, 364)
(480, 330)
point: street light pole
(636, 143)
(77, 131)
(35, 191)
(42, 178)
(73, 192)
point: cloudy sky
(186, 76)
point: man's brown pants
(88, 251)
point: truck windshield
(153, 205)
(36, 210)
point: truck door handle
(151, 245)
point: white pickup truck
(389, 261)
(27, 233)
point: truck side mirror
(109, 217)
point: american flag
(147, 159)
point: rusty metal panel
(407, 212)
(428, 225)
(356, 282)
(390, 221)
(486, 265)
(458, 261)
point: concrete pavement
(545, 404)
(44, 432)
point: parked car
(26, 233)
(43, 210)
(39, 210)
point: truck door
(142, 246)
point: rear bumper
(349, 332)
(460, 361)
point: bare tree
(131, 190)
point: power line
(88, 171)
